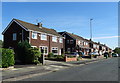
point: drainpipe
(22, 35)
(49, 42)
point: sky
(73, 17)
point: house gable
(11, 24)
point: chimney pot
(40, 25)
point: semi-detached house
(75, 43)
(47, 40)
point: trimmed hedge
(7, 58)
(33, 55)
(51, 56)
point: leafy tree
(117, 50)
(22, 50)
(27, 54)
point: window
(14, 36)
(71, 41)
(44, 50)
(78, 42)
(97, 46)
(43, 37)
(86, 43)
(68, 50)
(60, 40)
(68, 41)
(94, 46)
(81, 42)
(34, 35)
(55, 50)
(54, 39)
(34, 46)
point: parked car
(73, 54)
(115, 55)
(81, 53)
(93, 53)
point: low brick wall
(67, 59)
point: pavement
(26, 71)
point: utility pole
(91, 29)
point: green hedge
(7, 57)
(51, 56)
(33, 55)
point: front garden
(25, 53)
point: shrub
(50, 55)
(27, 54)
(33, 56)
(22, 51)
(7, 57)
(60, 57)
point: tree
(1, 43)
(117, 50)
(27, 54)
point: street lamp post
(91, 29)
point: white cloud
(106, 37)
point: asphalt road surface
(104, 70)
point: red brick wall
(49, 43)
(70, 59)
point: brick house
(38, 36)
(75, 43)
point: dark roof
(75, 36)
(36, 28)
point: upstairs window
(86, 43)
(78, 42)
(94, 46)
(68, 41)
(14, 36)
(43, 37)
(54, 39)
(71, 41)
(60, 40)
(34, 35)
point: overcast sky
(73, 17)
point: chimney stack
(40, 25)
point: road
(104, 70)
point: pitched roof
(75, 36)
(36, 28)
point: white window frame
(43, 36)
(35, 34)
(78, 42)
(86, 43)
(68, 50)
(94, 46)
(14, 36)
(61, 40)
(54, 38)
(34, 46)
(55, 49)
(44, 49)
